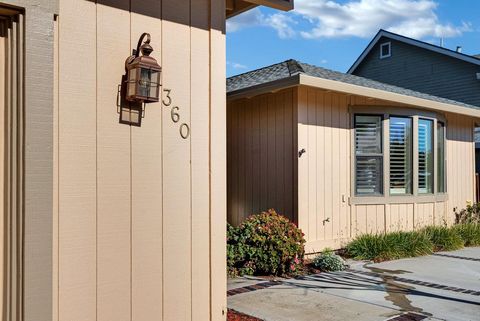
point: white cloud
(251, 18)
(363, 18)
(236, 65)
(353, 18)
(280, 22)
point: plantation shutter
(368, 155)
(400, 155)
(440, 157)
(425, 156)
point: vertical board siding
(176, 45)
(146, 175)
(260, 161)
(113, 170)
(460, 151)
(77, 163)
(324, 175)
(324, 170)
(141, 211)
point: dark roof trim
(413, 42)
(267, 87)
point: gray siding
(423, 70)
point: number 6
(175, 115)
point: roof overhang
(337, 86)
(413, 42)
(235, 7)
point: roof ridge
(258, 69)
(294, 67)
(414, 42)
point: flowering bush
(470, 214)
(265, 243)
(328, 261)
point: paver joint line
(427, 284)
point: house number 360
(174, 113)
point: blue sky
(333, 33)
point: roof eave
(346, 88)
(265, 88)
(413, 42)
(386, 95)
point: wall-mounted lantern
(143, 74)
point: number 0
(184, 131)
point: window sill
(378, 200)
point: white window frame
(387, 198)
(389, 44)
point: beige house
(342, 155)
(114, 210)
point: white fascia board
(346, 88)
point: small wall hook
(301, 152)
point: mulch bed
(233, 315)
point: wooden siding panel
(302, 139)
(218, 167)
(199, 123)
(260, 163)
(176, 55)
(127, 197)
(328, 165)
(290, 155)
(320, 164)
(146, 155)
(312, 163)
(77, 162)
(279, 152)
(113, 171)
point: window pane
(369, 175)
(369, 157)
(400, 155)
(425, 156)
(368, 135)
(440, 157)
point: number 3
(168, 96)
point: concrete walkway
(443, 286)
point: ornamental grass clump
(444, 238)
(390, 246)
(328, 261)
(470, 233)
(265, 244)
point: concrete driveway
(443, 286)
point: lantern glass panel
(132, 81)
(155, 77)
(144, 82)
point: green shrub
(470, 214)
(470, 233)
(328, 261)
(266, 243)
(444, 238)
(390, 246)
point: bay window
(398, 154)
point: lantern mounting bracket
(136, 52)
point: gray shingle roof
(292, 67)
